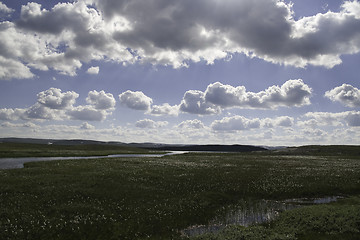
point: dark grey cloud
(263, 28)
(61, 17)
(170, 32)
(345, 94)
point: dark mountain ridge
(152, 146)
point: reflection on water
(248, 213)
(9, 163)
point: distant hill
(152, 146)
(213, 148)
(59, 141)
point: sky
(265, 72)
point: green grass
(11, 150)
(155, 198)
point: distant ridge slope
(213, 148)
(151, 146)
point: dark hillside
(213, 148)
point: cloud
(345, 94)
(101, 105)
(312, 123)
(353, 119)
(291, 93)
(240, 123)
(86, 126)
(148, 123)
(173, 33)
(8, 114)
(191, 124)
(101, 100)
(207, 30)
(93, 70)
(67, 35)
(315, 134)
(219, 96)
(5, 11)
(164, 109)
(10, 69)
(326, 118)
(42, 112)
(53, 104)
(87, 113)
(194, 102)
(236, 123)
(350, 118)
(54, 98)
(135, 100)
(283, 121)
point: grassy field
(155, 198)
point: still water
(249, 212)
(9, 163)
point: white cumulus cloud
(345, 94)
(283, 121)
(135, 100)
(194, 102)
(235, 123)
(54, 98)
(148, 123)
(53, 104)
(291, 93)
(164, 109)
(86, 126)
(93, 70)
(101, 100)
(86, 113)
(350, 118)
(192, 124)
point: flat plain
(157, 198)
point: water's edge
(248, 213)
(11, 163)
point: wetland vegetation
(157, 198)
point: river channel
(10, 163)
